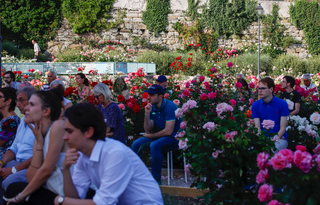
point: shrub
(10, 47)
(289, 61)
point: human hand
(109, 134)
(148, 108)
(36, 129)
(16, 199)
(71, 158)
(148, 135)
(5, 172)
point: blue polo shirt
(273, 110)
(164, 114)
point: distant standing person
(36, 49)
(10, 80)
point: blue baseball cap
(162, 79)
(155, 89)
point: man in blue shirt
(161, 126)
(14, 164)
(269, 107)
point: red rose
(145, 95)
(25, 76)
(144, 104)
(93, 84)
(178, 58)
(136, 108)
(120, 98)
(19, 72)
(15, 72)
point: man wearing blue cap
(162, 80)
(161, 126)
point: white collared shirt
(119, 175)
(310, 87)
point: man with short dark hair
(269, 107)
(291, 96)
(161, 126)
(9, 80)
(117, 173)
(51, 76)
(163, 81)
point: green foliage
(192, 11)
(24, 20)
(144, 43)
(306, 15)
(289, 40)
(289, 61)
(156, 15)
(88, 15)
(10, 47)
(273, 31)
(229, 18)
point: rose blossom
(238, 85)
(275, 202)
(203, 96)
(233, 102)
(187, 168)
(279, 161)
(180, 135)
(216, 154)
(223, 107)
(201, 78)
(192, 104)
(178, 113)
(121, 106)
(183, 144)
(230, 64)
(267, 124)
(315, 118)
(229, 136)
(262, 160)
(212, 95)
(176, 101)
(265, 193)
(210, 126)
(317, 159)
(187, 84)
(251, 85)
(251, 101)
(316, 150)
(183, 125)
(314, 98)
(262, 176)
(214, 70)
(186, 93)
(303, 160)
(287, 153)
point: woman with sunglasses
(45, 171)
(111, 112)
(10, 121)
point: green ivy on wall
(156, 15)
(24, 20)
(306, 15)
(88, 15)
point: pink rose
(287, 153)
(223, 107)
(233, 102)
(216, 154)
(183, 125)
(201, 78)
(265, 193)
(251, 101)
(251, 85)
(316, 150)
(262, 176)
(212, 95)
(229, 136)
(279, 161)
(183, 144)
(203, 96)
(214, 70)
(178, 113)
(317, 159)
(187, 168)
(268, 124)
(129, 104)
(314, 98)
(177, 102)
(187, 84)
(238, 85)
(180, 135)
(262, 160)
(303, 160)
(230, 64)
(274, 202)
(210, 126)
(301, 148)
(121, 106)
(191, 104)
(186, 93)
(315, 118)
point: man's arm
(167, 131)
(68, 187)
(257, 124)
(283, 125)
(148, 123)
(296, 110)
(72, 201)
(6, 171)
(8, 156)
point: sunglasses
(263, 88)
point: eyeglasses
(21, 100)
(97, 96)
(6, 77)
(262, 88)
(1, 96)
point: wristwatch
(60, 200)
(13, 170)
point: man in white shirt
(36, 49)
(308, 85)
(117, 173)
(51, 76)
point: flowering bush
(219, 141)
(293, 175)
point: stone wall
(133, 26)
